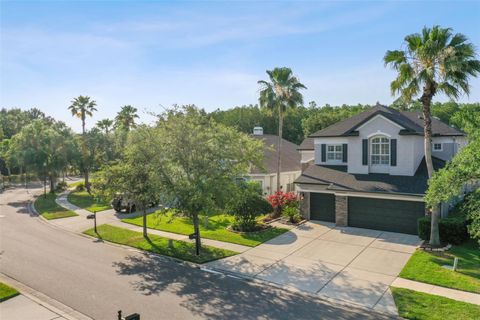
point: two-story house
(369, 170)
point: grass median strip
(427, 267)
(49, 209)
(417, 305)
(7, 292)
(216, 228)
(85, 201)
(160, 245)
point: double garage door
(378, 214)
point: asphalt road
(98, 279)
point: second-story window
(380, 151)
(334, 152)
(437, 147)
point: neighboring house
(369, 170)
(290, 164)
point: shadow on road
(21, 207)
(218, 297)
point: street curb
(51, 304)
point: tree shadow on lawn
(215, 296)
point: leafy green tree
(134, 176)
(467, 117)
(125, 118)
(42, 148)
(105, 125)
(448, 182)
(198, 160)
(281, 93)
(81, 107)
(435, 61)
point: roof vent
(258, 131)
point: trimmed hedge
(453, 229)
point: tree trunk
(279, 146)
(52, 183)
(428, 92)
(145, 235)
(196, 229)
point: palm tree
(280, 93)
(105, 125)
(435, 61)
(126, 118)
(81, 107)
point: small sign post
(94, 217)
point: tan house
(290, 167)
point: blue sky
(153, 54)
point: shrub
(280, 200)
(61, 186)
(453, 229)
(292, 213)
(246, 206)
(471, 208)
(80, 187)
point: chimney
(258, 131)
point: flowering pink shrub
(282, 199)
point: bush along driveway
(427, 267)
(49, 209)
(159, 245)
(216, 228)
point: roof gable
(410, 123)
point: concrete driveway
(350, 264)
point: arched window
(380, 150)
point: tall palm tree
(126, 117)
(278, 94)
(105, 125)
(435, 61)
(81, 107)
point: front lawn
(216, 229)
(84, 200)
(7, 292)
(427, 267)
(156, 244)
(417, 305)
(49, 209)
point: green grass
(417, 305)
(75, 184)
(7, 292)
(216, 229)
(84, 200)
(180, 249)
(49, 209)
(427, 267)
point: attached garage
(383, 214)
(322, 207)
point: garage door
(387, 215)
(322, 207)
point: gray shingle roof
(336, 178)
(289, 155)
(411, 121)
(307, 144)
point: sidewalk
(459, 295)
(80, 224)
(33, 305)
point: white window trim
(437, 150)
(334, 152)
(379, 133)
(380, 154)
